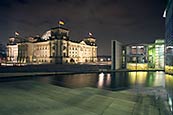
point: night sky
(128, 21)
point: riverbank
(31, 74)
(54, 68)
(64, 68)
(30, 97)
(57, 69)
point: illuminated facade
(25, 52)
(146, 56)
(136, 57)
(169, 37)
(12, 53)
(55, 47)
(156, 56)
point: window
(64, 54)
(53, 47)
(53, 54)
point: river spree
(110, 81)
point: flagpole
(58, 24)
(16, 34)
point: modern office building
(156, 56)
(145, 56)
(136, 57)
(168, 14)
(56, 47)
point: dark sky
(128, 21)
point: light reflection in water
(147, 78)
(113, 81)
(158, 80)
(108, 79)
(104, 80)
(137, 77)
(169, 84)
(101, 80)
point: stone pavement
(153, 91)
(35, 98)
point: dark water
(111, 81)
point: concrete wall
(116, 55)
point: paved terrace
(35, 98)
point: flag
(61, 22)
(16, 33)
(90, 34)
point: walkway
(35, 98)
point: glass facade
(169, 24)
(136, 56)
(169, 38)
(146, 56)
(156, 55)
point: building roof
(53, 33)
(59, 27)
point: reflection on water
(147, 79)
(112, 81)
(104, 80)
(137, 77)
(157, 81)
(101, 80)
(75, 80)
(169, 84)
(108, 79)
